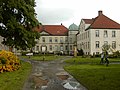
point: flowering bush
(8, 61)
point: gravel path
(49, 75)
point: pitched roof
(88, 21)
(103, 22)
(55, 30)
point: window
(113, 44)
(70, 40)
(66, 39)
(105, 33)
(85, 45)
(61, 47)
(37, 48)
(97, 33)
(50, 39)
(50, 47)
(88, 34)
(97, 53)
(66, 47)
(61, 39)
(43, 39)
(70, 47)
(56, 39)
(56, 48)
(113, 33)
(88, 45)
(97, 44)
(82, 36)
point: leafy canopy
(17, 20)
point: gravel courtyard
(49, 75)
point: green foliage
(116, 54)
(15, 80)
(87, 60)
(17, 20)
(3, 60)
(94, 76)
(80, 52)
(105, 47)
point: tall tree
(17, 20)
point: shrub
(8, 61)
(80, 52)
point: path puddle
(71, 85)
(62, 75)
(38, 74)
(40, 81)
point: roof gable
(103, 22)
(88, 21)
(58, 30)
(44, 33)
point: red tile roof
(55, 30)
(103, 22)
(88, 21)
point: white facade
(72, 39)
(53, 44)
(93, 34)
(104, 38)
(83, 38)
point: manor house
(95, 32)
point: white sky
(54, 12)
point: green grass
(97, 77)
(15, 80)
(93, 75)
(40, 58)
(80, 60)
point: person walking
(106, 58)
(102, 58)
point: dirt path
(49, 75)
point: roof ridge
(54, 29)
(107, 23)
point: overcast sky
(55, 12)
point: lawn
(15, 80)
(93, 75)
(41, 58)
(80, 60)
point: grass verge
(40, 58)
(80, 60)
(15, 80)
(95, 76)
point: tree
(17, 20)
(80, 52)
(106, 48)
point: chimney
(99, 13)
